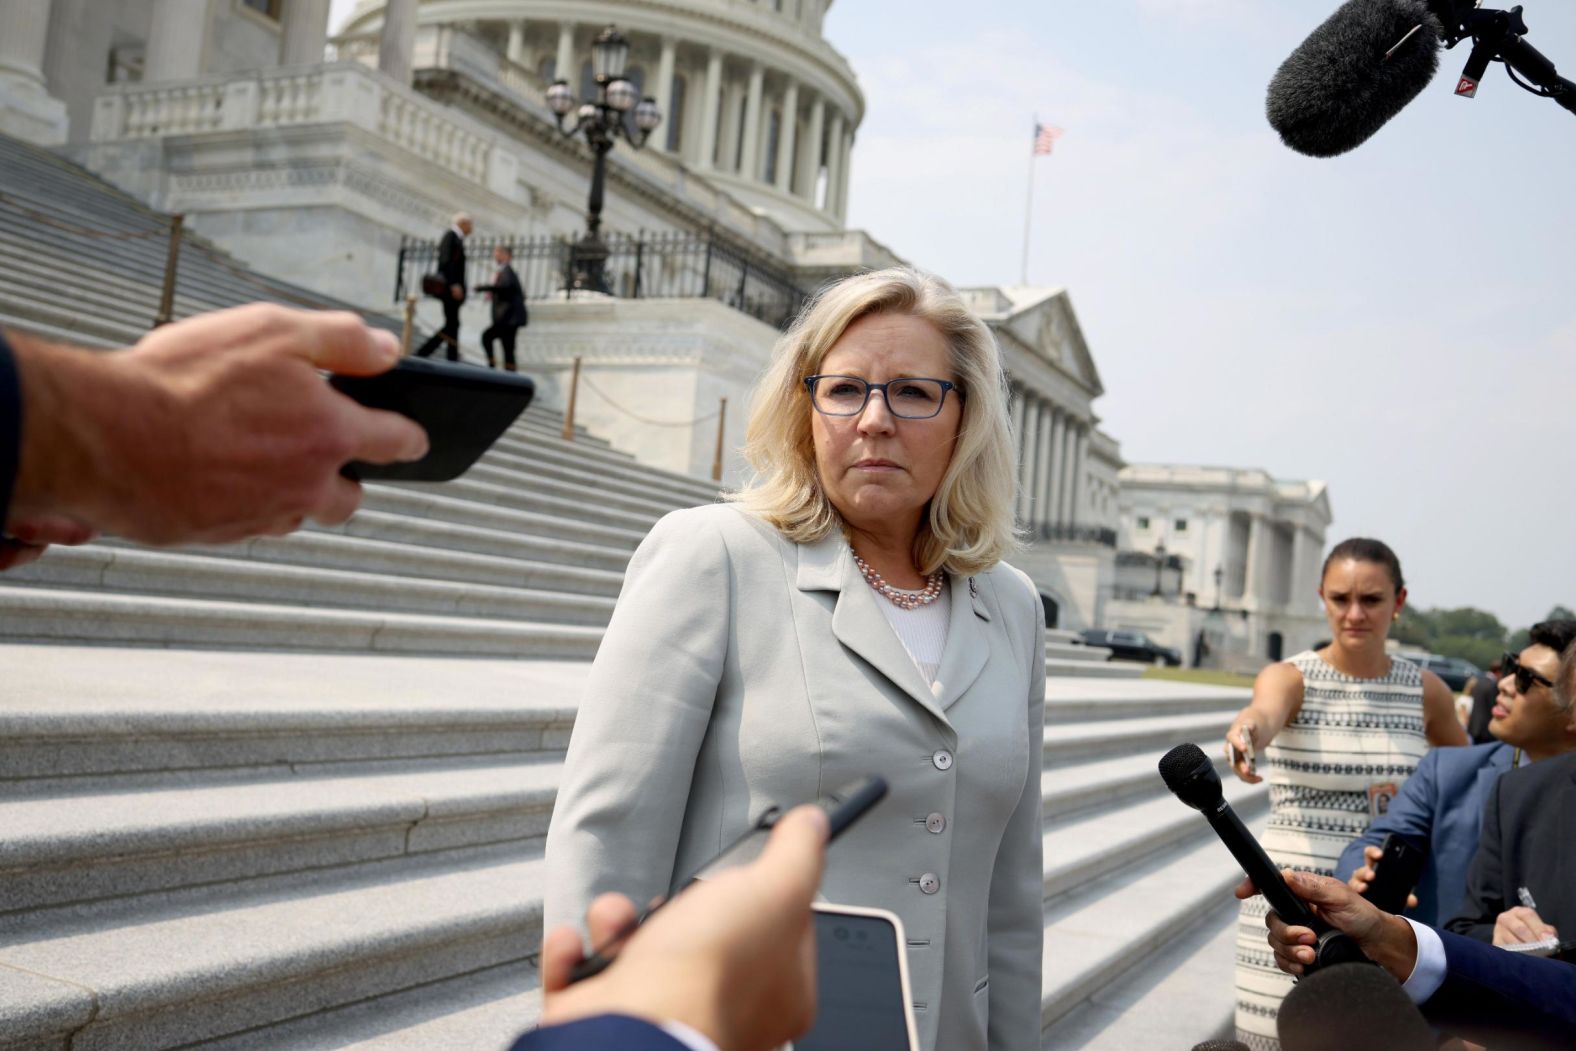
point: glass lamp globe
(560, 99)
(647, 114)
(621, 95)
(609, 54)
(587, 113)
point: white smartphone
(862, 991)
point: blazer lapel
(963, 657)
(858, 622)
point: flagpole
(1028, 206)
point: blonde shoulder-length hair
(969, 524)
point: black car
(1454, 670)
(1132, 646)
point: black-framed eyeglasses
(1510, 664)
(907, 397)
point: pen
(1526, 898)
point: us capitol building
(318, 159)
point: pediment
(1049, 327)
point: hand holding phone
(1242, 758)
(843, 806)
(1395, 873)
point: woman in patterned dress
(1339, 730)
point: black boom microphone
(1352, 74)
(1190, 775)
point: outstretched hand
(1387, 940)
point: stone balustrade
(341, 92)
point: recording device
(464, 409)
(1395, 874)
(1191, 777)
(1371, 57)
(863, 1001)
(1347, 1007)
(1235, 755)
(843, 806)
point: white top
(922, 630)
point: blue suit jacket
(602, 1033)
(1439, 809)
(1504, 999)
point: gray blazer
(741, 671)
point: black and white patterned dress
(1349, 734)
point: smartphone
(863, 1000)
(843, 807)
(463, 408)
(1235, 755)
(1395, 874)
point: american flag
(1045, 136)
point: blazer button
(935, 824)
(942, 759)
(929, 883)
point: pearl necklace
(899, 598)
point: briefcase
(434, 285)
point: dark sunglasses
(1525, 676)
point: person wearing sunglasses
(1439, 809)
(1519, 885)
(848, 613)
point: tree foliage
(1469, 633)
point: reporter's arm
(1277, 698)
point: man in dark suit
(1440, 809)
(1521, 886)
(451, 267)
(509, 315)
(1476, 991)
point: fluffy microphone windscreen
(1351, 1007)
(1338, 88)
(1221, 1045)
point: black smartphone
(1395, 874)
(463, 408)
(843, 807)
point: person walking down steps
(509, 315)
(451, 268)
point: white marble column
(811, 153)
(1075, 508)
(1300, 600)
(728, 159)
(708, 113)
(1058, 476)
(787, 133)
(663, 92)
(834, 163)
(1251, 575)
(1015, 411)
(1046, 482)
(564, 63)
(845, 168)
(305, 33)
(750, 150)
(177, 38)
(27, 110)
(516, 47)
(397, 44)
(1028, 465)
(1065, 462)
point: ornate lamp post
(1160, 563)
(602, 122)
(1219, 573)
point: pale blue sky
(1399, 322)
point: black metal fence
(641, 266)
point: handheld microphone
(1353, 73)
(1191, 777)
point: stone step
(61, 615)
(434, 503)
(1068, 651)
(93, 718)
(1105, 699)
(1079, 742)
(1084, 849)
(189, 974)
(315, 549)
(566, 485)
(581, 505)
(480, 540)
(1177, 991)
(603, 463)
(1064, 669)
(1095, 938)
(171, 574)
(1072, 788)
(108, 849)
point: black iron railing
(641, 266)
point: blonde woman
(847, 613)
